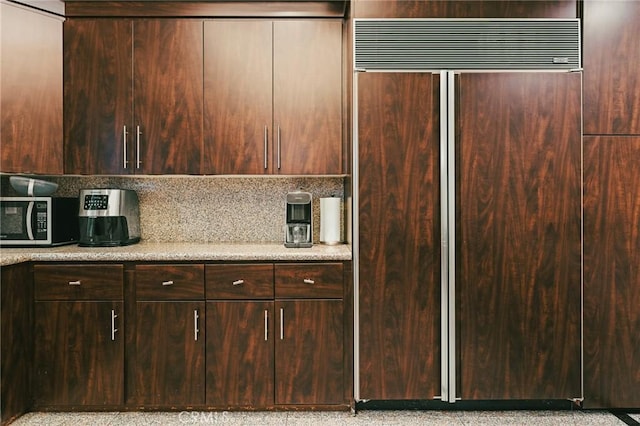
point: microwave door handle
(30, 217)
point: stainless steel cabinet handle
(266, 147)
(166, 283)
(279, 143)
(196, 330)
(266, 325)
(238, 282)
(281, 323)
(138, 133)
(113, 324)
(124, 139)
(75, 282)
(309, 281)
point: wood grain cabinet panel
(611, 52)
(167, 73)
(239, 281)
(240, 354)
(16, 344)
(309, 352)
(612, 272)
(465, 9)
(78, 282)
(169, 282)
(169, 354)
(518, 241)
(79, 354)
(133, 96)
(79, 335)
(31, 103)
(309, 280)
(98, 90)
(399, 220)
(273, 97)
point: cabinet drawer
(240, 281)
(169, 282)
(78, 282)
(309, 280)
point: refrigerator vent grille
(467, 44)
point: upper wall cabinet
(273, 97)
(133, 96)
(611, 57)
(465, 9)
(31, 110)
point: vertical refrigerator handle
(447, 235)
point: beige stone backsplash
(202, 209)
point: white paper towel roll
(330, 220)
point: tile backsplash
(233, 209)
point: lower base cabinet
(79, 357)
(169, 347)
(78, 336)
(216, 336)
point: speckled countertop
(173, 252)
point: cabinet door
(168, 365)
(240, 338)
(309, 352)
(79, 354)
(16, 344)
(612, 272)
(31, 102)
(399, 220)
(465, 9)
(307, 97)
(518, 245)
(611, 52)
(168, 96)
(98, 96)
(237, 97)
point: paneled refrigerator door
(518, 226)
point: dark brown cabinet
(611, 219)
(16, 344)
(133, 96)
(31, 103)
(273, 97)
(611, 271)
(78, 336)
(517, 201)
(168, 366)
(264, 352)
(465, 8)
(518, 246)
(399, 236)
(611, 51)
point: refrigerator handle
(451, 168)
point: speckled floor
(369, 418)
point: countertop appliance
(298, 230)
(109, 217)
(38, 221)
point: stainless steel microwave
(38, 221)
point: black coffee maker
(298, 229)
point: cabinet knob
(167, 283)
(75, 282)
(238, 282)
(309, 281)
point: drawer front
(169, 282)
(309, 280)
(240, 281)
(78, 282)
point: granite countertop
(198, 252)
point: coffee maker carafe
(298, 230)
